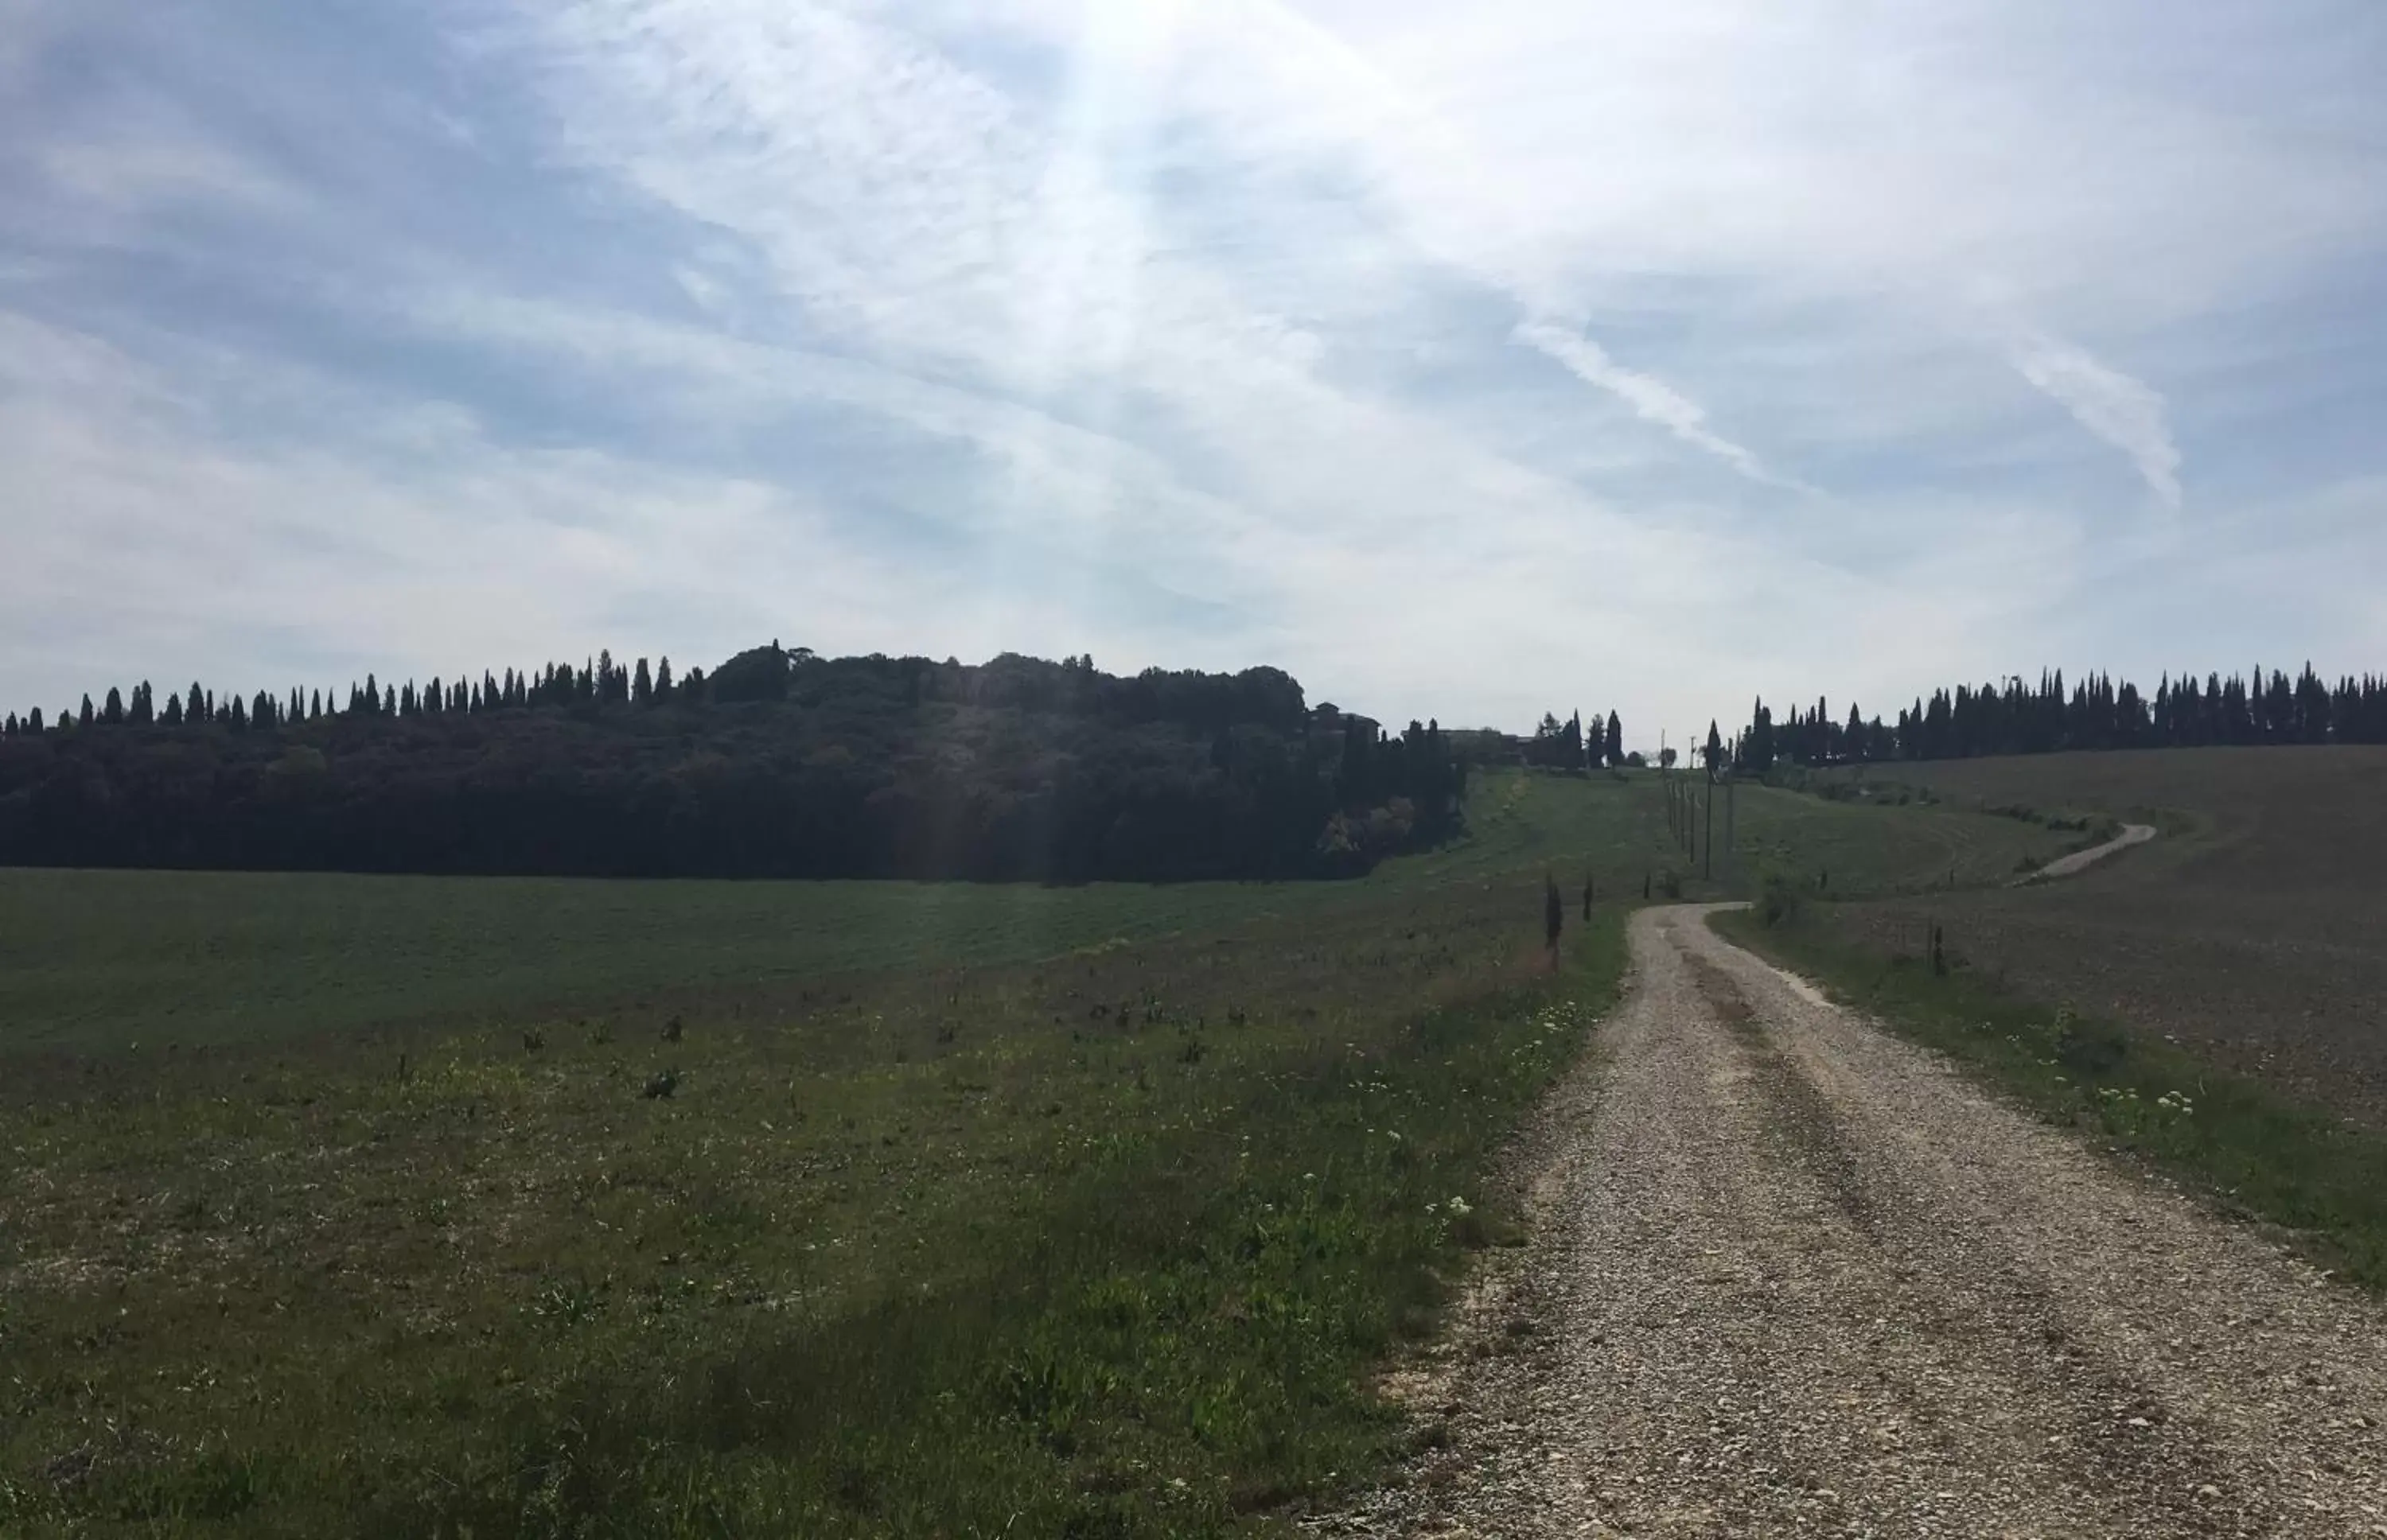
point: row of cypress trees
(2017, 717)
(600, 680)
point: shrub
(1777, 898)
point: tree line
(778, 763)
(2017, 717)
(1570, 745)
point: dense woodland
(2019, 718)
(778, 763)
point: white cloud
(2117, 409)
(1651, 400)
(1192, 331)
(409, 539)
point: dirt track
(2079, 861)
(1790, 1276)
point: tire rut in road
(1989, 1310)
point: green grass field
(94, 960)
(971, 1210)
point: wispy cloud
(2123, 412)
(1651, 399)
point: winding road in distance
(2066, 866)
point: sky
(1467, 361)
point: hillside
(2249, 929)
(778, 764)
(95, 959)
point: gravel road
(1789, 1275)
(2065, 865)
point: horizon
(1464, 367)
(331, 701)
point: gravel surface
(2079, 861)
(1792, 1276)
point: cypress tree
(89, 715)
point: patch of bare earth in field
(1791, 1276)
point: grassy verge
(2255, 1150)
(1104, 1245)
